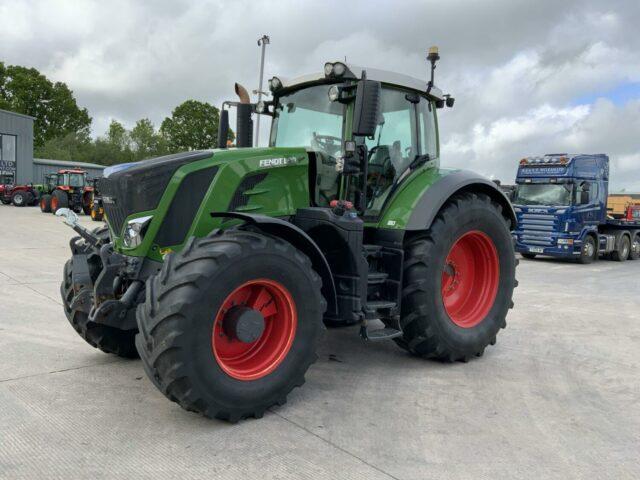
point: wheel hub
(254, 329)
(470, 278)
(244, 324)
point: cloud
(516, 67)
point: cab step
(372, 250)
(379, 305)
(379, 334)
(376, 278)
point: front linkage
(101, 289)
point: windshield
(543, 194)
(307, 118)
(74, 179)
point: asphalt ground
(557, 397)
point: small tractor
(220, 268)
(67, 189)
(18, 195)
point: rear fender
(299, 239)
(461, 181)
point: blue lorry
(561, 206)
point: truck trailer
(561, 207)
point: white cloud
(516, 67)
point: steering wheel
(327, 143)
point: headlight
(135, 230)
(275, 84)
(565, 241)
(339, 69)
(334, 93)
(260, 107)
(328, 69)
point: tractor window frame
(373, 214)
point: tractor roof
(71, 170)
(383, 76)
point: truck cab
(561, 205)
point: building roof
(17, 114)
(383, 76)
(65, 163)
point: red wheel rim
(250, 361)
(470, 279)
(54, 204)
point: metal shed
(43, 166)
(16, 146)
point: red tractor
(68, 189)
(19, 195)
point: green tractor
(220, 268)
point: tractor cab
(386, 120)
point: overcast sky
(529, 76)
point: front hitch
(71, 219)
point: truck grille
(537, 229)
(114, 213)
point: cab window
(393, 147)
(427, 119)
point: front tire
(59, 200)
(589, 251)
(45, 203)
(458, 281)
(189, 345)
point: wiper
(419, 160)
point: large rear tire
(103, 337)
(458, 281)
(230, 325)
(634, 253)
(622, 253)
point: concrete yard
(557, 397)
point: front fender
(299, 239)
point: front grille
(138, 187)
(537, 229)
(114, 213)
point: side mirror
(367, 108)
(223, 128)
(584, 197)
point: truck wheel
(458, 281)
(230, 324)
(59, 200)
(87, 203)
(105, 338)
(21, 199)
(622, 253)
(45, 203)
(96, 215)
(529, 256)
(589, 251)
(634, 253)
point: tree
(57, 114)
(193, 125)
(146, 141)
